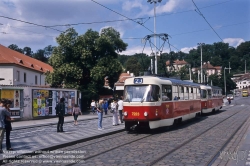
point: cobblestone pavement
(198, 152)
(143, 151)
(231, 152)
(33, 139)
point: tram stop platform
(41, 135)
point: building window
(24, 77)
(17, 75)
(36, 80)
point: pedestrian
(120, 109)
(229, 100)
(105, 107)
(114, 107)
(8, 126)
(100, 114)
(3, 113)
(60, 112)
(76, 111)
(93, 106)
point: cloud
(233, 41)
(129, 5)
(139, 49)
(187, 49)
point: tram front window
(141, 93)
(203, 94)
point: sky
(185, 22)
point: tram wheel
(128, 126)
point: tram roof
(171, 81)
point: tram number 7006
(135, 114)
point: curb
(52, 123)
(39, 151)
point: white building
(177, 65)
(20, 69)
(208, 69)
(243, 82)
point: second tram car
(211, 98)
(155, 102)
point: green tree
(40, 55)
(15, 48)
(133, 66)
(27, 51)
(82, 61)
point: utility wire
(121, 15)
(140, 18)
(127, 18)
(199, 12)
(30, 23)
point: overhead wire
(199, 12)
(122, 15)
(139, 18)
(30, 23)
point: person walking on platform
(76, 111)
(120, 109)
(229, 101)
(60, 112)
(105, 107)
(93, 106)
(100, 114)
(8, 126)
(3, 113)
(114, 107)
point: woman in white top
(114, 106)
(93, 106)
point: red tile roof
(177, 62)
(123, 77)
(8, 56)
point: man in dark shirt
(60, 112)
(3, 113)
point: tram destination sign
(138, 80)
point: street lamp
(155, 1)
(201, 44)
(225, 80)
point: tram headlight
(156, 113)
(145, 114)
(125, 113)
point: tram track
(111, 143)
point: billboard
(15, 97)
(45, 101)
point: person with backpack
(76, 111)
(100, 114)
(60, 112)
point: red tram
(156, 101)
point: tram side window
(198, 93)
(190, 93)
(194, 93)
(186, 93)
(209, 93)
(166, 92)
(181, 93)
(175, 93)
(203, 94)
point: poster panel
(45, 101)
(14, 96)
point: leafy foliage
(82, 61)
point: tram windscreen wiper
(142, 100)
